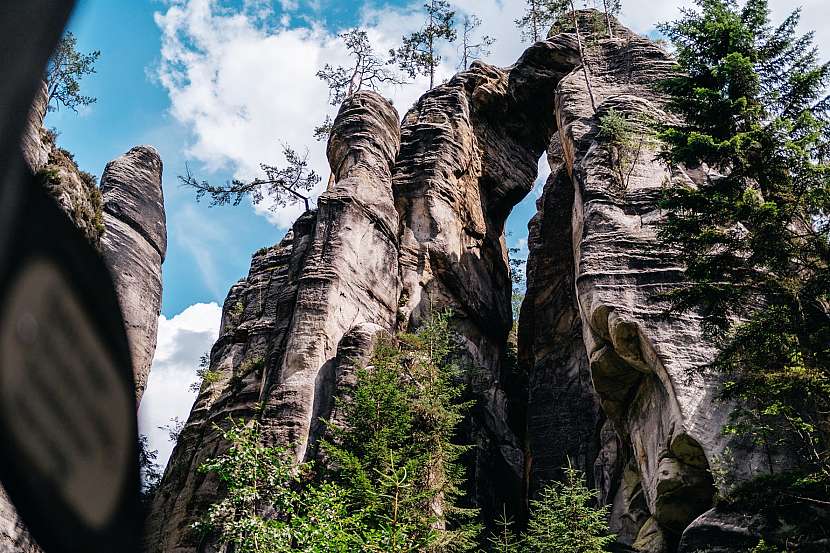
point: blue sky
(218, 84)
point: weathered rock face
(75, 191)
(33, 144)
(291, 331)
(563, 415)
(134, 246)
(469, 153)
(644, 365)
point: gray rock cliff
(290, 331)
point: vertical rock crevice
(469, 153)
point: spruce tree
(397, 452)
(564, 519)
(754, 234)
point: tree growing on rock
(611, 8)
(539, 17)
(471, 47)
(755, 234)
(283, 185)
(367, 71)
(418, 54)
(65, 69)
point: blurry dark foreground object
(68, 442)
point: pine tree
(563, 519)
(367, 71)
(755, 235)
(418, 55)
(472, 48)
(282, 185)
(67, 66)
(540, 16)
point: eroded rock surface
(290, 329)
(134, 246)
(470, 151)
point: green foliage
(48, 177)
(367, 71)
(505, 539)
(764, 547)
(539, 17)
(66, 68)
(150, 471)
(392, 476)
(563, 519)
(626, 139)
(255, 477)
(284, 185)
(418, 54)
(205, 376)
(396, 452)
(755, 236)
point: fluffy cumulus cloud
(182, 340)
(244, 80)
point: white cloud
(182, 340)
(243, 81)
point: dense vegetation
(390, 477)
(755, 234)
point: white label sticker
(61, 395)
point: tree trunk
(582, 58)
(608, 19)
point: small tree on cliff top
(472, 47)
(418, 55)
(368, 71)
(289, 184)
(540, 15)
(66, 68)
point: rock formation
(134, 246)
(127, 225)
(414, 223)
(331, 281)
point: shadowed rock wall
(127, 225)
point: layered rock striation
(292, 329)
(134, 246)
